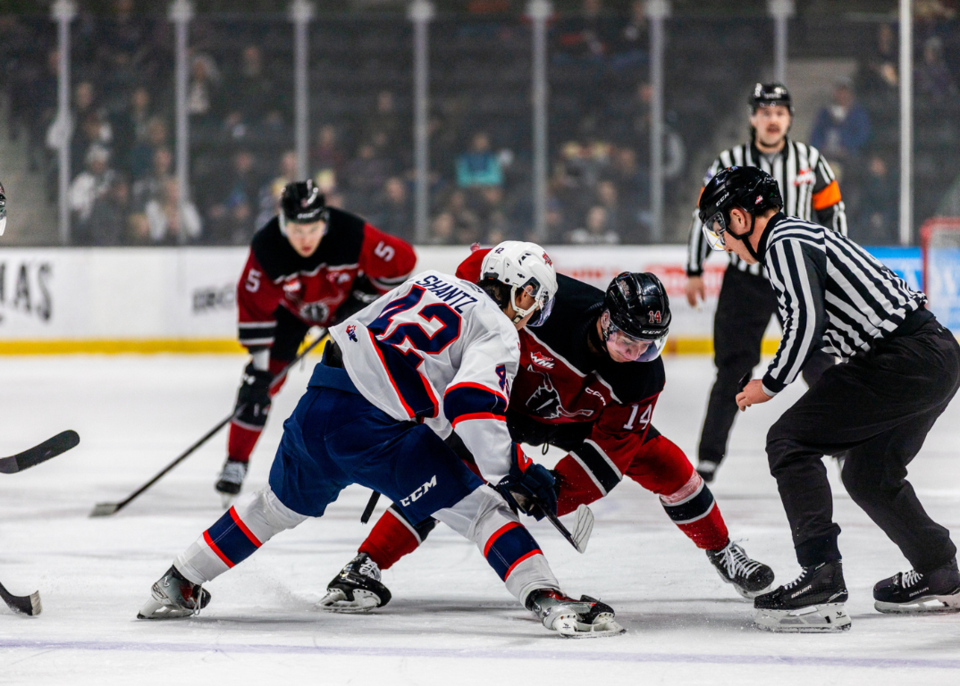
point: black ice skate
(749, 577)
(356, 588)
(174, 596)
(936, 591)
(584, 618)
(811, 603)
(231, 480)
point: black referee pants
(743, 312)
(876, 411)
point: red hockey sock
(241, 441)
(662, 467)
(390, 539)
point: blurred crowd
(124, 189)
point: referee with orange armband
(810, 191)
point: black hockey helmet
(748, 188)
(770, 94)
(636, 316)
(302, 203)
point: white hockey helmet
(523, 266)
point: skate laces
(911, 578)
(369, 568)
(735, 561)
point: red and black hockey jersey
(313, 288)
(561, 381)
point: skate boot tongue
(584, 618)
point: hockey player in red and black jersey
(588, 383)
(312, 265)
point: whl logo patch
(542, 360)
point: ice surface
(451, 621)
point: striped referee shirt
(807, 185)
(831, 294)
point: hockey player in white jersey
(434, 354)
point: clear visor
(626, 348)
(543, 305)
(714, 229)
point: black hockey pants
(743, 312)
(875, 411)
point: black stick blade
(27, 605)
(104, 509)
(50, 448)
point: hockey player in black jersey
(311, 265)
(746, 301)
(900, 370)
(588, 383)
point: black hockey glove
(529, 487)
(254, 396)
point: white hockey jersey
(438, 349)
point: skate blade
(931, 604)
(227, 499)
(154, 609)
(336, 601)
(604, 625)
(826, 618)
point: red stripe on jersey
(215, 549)
(477, 415)
(409, 410)
(528, 555)
(497, 534)
(243, 527)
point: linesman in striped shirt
(900, 370)
(746, 302)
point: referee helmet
(747, 188)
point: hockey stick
(107, 509)
(28, 605)
(51, 447)
(368, 510)
(582, 528)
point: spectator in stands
(269, 203)
(841, 129)
(633, 190)
(130, 124)
(880, 73)
(252, 92)
(170, 224)
(933, 78)
(33, 103)
(141, 158)
(232, 217)
(596, 230)
(555, 221)
(479, 166)
(89, 185)
(465, 220)
(327, 158)
(365, 175)
(879, 204)
(203, 93)
(632, 45)
(123, 46)
(151, 186)
(608, 198)
(384, 123)
(586, 36)
(109, 217)
(442, 230)
(394, 213)
(950, 202)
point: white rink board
(189, 293)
